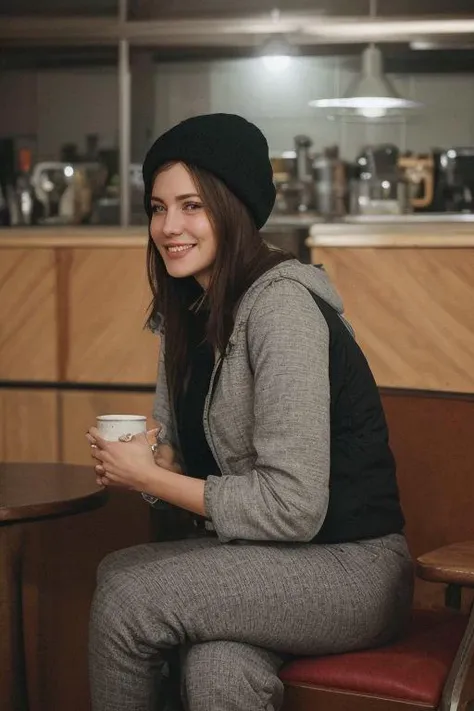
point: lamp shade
(371, 95)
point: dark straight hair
(242, 256)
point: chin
(180, 270)
(179, 273)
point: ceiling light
(371, 96)
(276, 53)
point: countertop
(102, 237)
(419, 230)
(444, 231)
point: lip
(179, 254)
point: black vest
(363, 491)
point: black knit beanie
(227, 145)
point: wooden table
(28, 494)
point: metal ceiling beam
(245, 31)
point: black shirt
(197, 457)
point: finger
(97, 453)
(99, 469)
(112, 479)
(151, 435)
(142, 438)
(89, 438)
(100, 441)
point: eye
(157, 209)
(192, 206)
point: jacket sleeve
(161, 407)
(284, 496)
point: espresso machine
(419, 172)
(292, 174)
(331, 179)
(457, 165)
(379, 187)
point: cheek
(155, 225)
(156, 232)
(206, 235)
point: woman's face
(180, 227)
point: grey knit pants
(234, 611)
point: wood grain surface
(28, 326)
(452, 564)
(29, 430)
(41, 490)
(431, 437)
(107, 303)
(412, 311)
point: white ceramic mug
(111, 427)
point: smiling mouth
(174, 249)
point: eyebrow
(155, 198)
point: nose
(173, 224)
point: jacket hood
(313, 277)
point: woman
(272, 437)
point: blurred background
(368, 106)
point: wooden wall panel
(107, 301)
(412, 310)
(28, 426)
(2, 428)
(79, 410)
(433, 444)
(28, 329)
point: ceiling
(85, 32)
(144, 9)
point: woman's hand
(165, 457)
(164, 454)
(125, 464)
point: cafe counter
(73, 304)
(408, 290)
(72, 310)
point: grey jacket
(266, 416)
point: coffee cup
(112, 427)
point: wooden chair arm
(452, 565)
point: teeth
(181, 248)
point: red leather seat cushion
(412, 669)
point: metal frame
(303, 28)
(463, 665)
(125, 119)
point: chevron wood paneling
(412, 310)
(28, 327)
(107, 300)
(29, 426)
(77, 314)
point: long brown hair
(242, 256)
